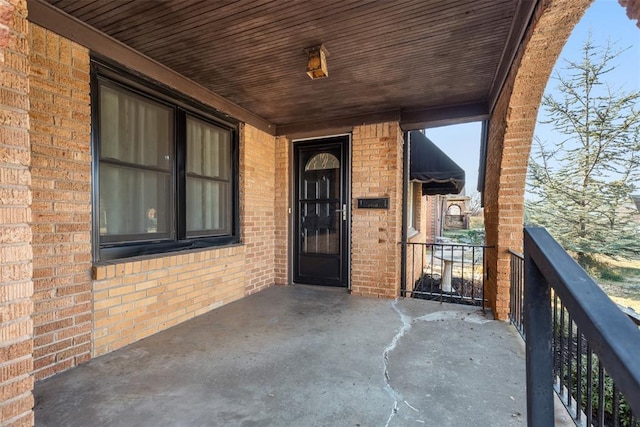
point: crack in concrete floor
(407, 322)
(394, 394)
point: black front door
(321, 215)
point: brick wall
(282, 204)
(258, 174)
(133, 299)
(16, 287)
(137, 298)
(375, 233)
(61, 185)
(510, 133)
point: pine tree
(581, 183)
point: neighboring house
(456, 212)
(160, 159)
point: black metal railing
(516, 298)
(579, 343)
(446, 272)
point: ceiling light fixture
(317, 62)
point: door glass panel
(319, 228)
(319, 199)
(321, 184)
(322, 161)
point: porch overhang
(410, 62)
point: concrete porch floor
(303, 356)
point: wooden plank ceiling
(387, 55)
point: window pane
(134, 129)
(208, 149)
(134, 202)
(208, 206)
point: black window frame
(113, 75)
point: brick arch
(510, 134)
(633, 10)
(511, 130)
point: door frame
(293, 208)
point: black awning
(431, 166)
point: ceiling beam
(52, 18)
(444, 116)
(336, 125)
(409, 120)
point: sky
(606, 20)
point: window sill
(147, 263)
(164, 254)
(412, 232)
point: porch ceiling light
(317, 62)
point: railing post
(537, 325)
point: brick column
(61, 169)
(282, 200)
(375, 233)
(510, 133)
(16, 287)
(258, 172)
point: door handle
(344, 211)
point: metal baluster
(600, 394)
(589, 385)
(413, 262)
(579, 375)
(423, 250)
(521, 293)
(569, 361)
(554, 335)
(562, 341)
(616, 405)
(514, 292)
(433, 249)
(451, 248)
(473, 274)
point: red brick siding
(16, 286)
(375, 233)
(510, 133)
